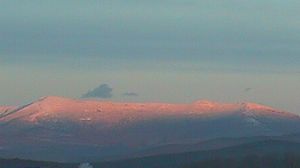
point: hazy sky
(158, 50)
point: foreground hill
(61, 129)
(19, 163)
(260, 154)
(283, 152)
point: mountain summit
(52, 107)
(111, 128)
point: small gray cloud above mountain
(130, 94)
(248, 89)
(103, 91)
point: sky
(157, 51)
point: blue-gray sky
(167, 50)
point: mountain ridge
(53, 104)
(52, 126)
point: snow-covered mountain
(68, 129)
(109, 113)
(4, 109)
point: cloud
(102, 91)
(248, 89)
(130, 94)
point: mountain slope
(110, 112)
(5, 109)
(98, 129)
(264, 153)
(266, 148)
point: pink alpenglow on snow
(113, 128)
(112, 112)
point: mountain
(62, 129)
(4, 109)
